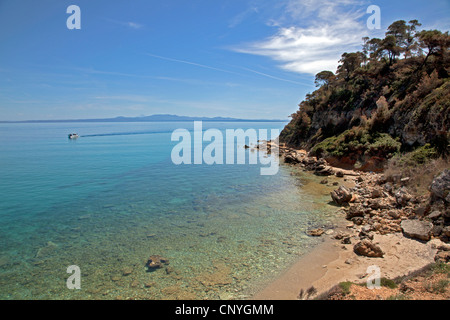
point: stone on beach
(368, 249)
(402, 197)
(316, 232)
(342, 195)
(440, 187)
(416, 229)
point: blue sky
(232, 58)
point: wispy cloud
(190, 63)
(128, 24)
(312, 35)
(134, 25)
(224, 70)
(240, 17)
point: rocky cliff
(392, 97)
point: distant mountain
(152, 118)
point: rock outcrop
(368, 249)
(416, 229)
(440, 187)
(341, 196)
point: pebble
(149, 284)
(127, 272)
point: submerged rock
(127, 271)
(316, 232)
(156, 261)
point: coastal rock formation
(368, 249)
(440, 187)
(316, 232)
(156, 262)
(341, 196)
(402, 197)
(416, 229)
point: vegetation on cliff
(392, 97)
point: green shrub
(345, 287)
(388, 283)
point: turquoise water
(112, 198)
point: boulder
(446, 231)
(442, 256)
(341, 196)
(416, 229)
(356, 210)
(368, 249)
(440, 187)
(346, 240)
(341, 235)
(376, 193)
(323, 170)
(402, 197)
(339, 174)
(434, 215)
(358, 220)
(289, 158)
(316, 232)
(388, 188)
(156, 262)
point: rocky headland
(383, 224)
(377, 130)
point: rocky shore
(386, 224)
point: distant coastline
(152, 118)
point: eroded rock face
(368, 249)
(440, 187)
(156, 261)
(417, 229)
(341, 196)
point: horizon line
(146, 119)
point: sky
(249, 59)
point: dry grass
(420, 175)
(428, 284)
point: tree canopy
(396, 86)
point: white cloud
(128, 24)
(312, 35)
(134, 25)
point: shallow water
(111, 199)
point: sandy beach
(331, 263)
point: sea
(80, 218)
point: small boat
(73, 136)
